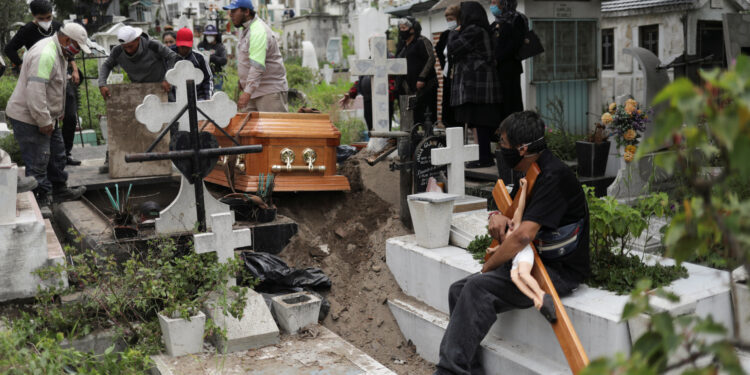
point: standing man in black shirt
(41, 27)
(556, 220)
(421, 79)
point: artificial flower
(607, 119)
(629, 156)
(630, 108)
(612, 108)
(629, 135)
(630, 149)
(631, 102)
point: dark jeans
(474, 304)
(484, 135)
(70, 120)
(44, 156)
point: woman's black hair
(39, 7)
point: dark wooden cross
(202, 158)
(189, 12)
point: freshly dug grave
(354, 227)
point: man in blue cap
(260, 66)
(212, 43)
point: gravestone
(736, 35)
(379, 67)
(654, 79)
(309, 58)
(455, 154)
(370, 22)
(180, 215)
(257, 327)
(327, 73)
(124, 134)
(423, 166)
(334, 51)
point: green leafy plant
(9, 144)
(478, 246)
(560, 141)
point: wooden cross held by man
(563, 327)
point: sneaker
(70, 161)
(44, 205)
(65, 194)
(26, 183)
(548, 308)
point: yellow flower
(631, 102)
(639, 112)
(630, 149)
(607, 119)
(630, 108)
(612, 107)
(629, 156)
(629, 135)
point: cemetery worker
(41, 27)
(36, 105)
(508, 32)
(421, 79)
(144, 59)
(557, 204)
(441, 50)
(475, 93)
(169, 38)
(184, 49)
(260, 67)
(212, 43)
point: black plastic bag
(276, 276)
(344, 152)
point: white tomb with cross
(455, 154)
(257, 327)
(180, 215)
(379, 66)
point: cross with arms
(223, 240)
(455, 154)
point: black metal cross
(200, 156)
(218, 18)
(189, 12)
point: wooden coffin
(290, 134)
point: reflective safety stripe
(257, 45)
(38, 79)
(47, 60)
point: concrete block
(296, 310)
(466, 226)
(183, 336)
(742, 301)
(96, 342)
(256, 328)
(431, 217)
(466, 203)
(8, 185)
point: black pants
(426, 99)
(483, 140)
(70, 118)
(474, 304)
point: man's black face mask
(511, 157)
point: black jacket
(508, 33)
(27, 36)
(218, 58)
(420, 64)
(206, 88)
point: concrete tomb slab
(180, 215)
(256, 328)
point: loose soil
(355, 225)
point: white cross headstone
(455, 154)
(180, 215)
(379, 66)
(309, 57)
(327, 73)
(222, 240)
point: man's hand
(497, 227)
(75, 77)
(47, 130)
(166, 86)
(244, 100)
(420, 84)
(105, 92)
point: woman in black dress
(475, 93)
(441, 50)
(420, 79)
(508, 32)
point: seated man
(555, 213)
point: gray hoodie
(148, 64)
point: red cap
(184, 37)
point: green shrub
(478, 247)
(7, 84)
(298, 76)
(9, 144)
(351, 130)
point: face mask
(71, 49)
(210, 39)
(496, 11)
(452, 24)
(45, 25)
(511, 156)
(404, 34)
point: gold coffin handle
(298, 168)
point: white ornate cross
(154, 113)
(455, 154)
(379, 67)
(222, 240)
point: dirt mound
(353, 227)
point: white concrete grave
(309, 58)
(180, 215)
(327, 72)
(8, 185)
(455, 154)
(379, 66)
(296, 310)
(431, 214)
(222, 240)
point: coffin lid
(283, 125)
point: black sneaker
(65, 193)
(70, 161)
(548, 308)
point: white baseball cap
(128, 34)
(76, 32)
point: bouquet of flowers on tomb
(626, 123)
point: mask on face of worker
(210, 39)
(45, 25)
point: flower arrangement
(626, 122)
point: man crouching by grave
(37, 106)
(556, 213)
(260, 67)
